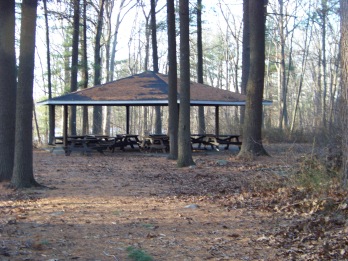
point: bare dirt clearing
(221, 209)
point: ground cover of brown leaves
(224, 208)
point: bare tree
(344, 84)
(245, 53)
(84, 65)
(172, 82)
(74, 63)
(252, 140)
(201, 120)
(184, 149)
(7, 88)
(51, 110)
(23, 175)
(302, 75)
(158, 127)
(97, 110)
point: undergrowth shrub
(315, 176)
(276, 135)
(138, 254)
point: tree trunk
(146, 64)
(252, 140)
(283, 119)
(23, 175)
(98, 110)
(147, 40)
(303, 68)
(245, 54)
(201, 120)
(344, 85)
(172, 83)
(324, 14)
(7, 88)
(184, 149)
(51, 110)
(109, 13)
(74, 63)
(84, 68)
(158, 128)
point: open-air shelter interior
(144, 89)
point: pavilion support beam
(127, 119)
(217, 122)
(65, 125)
(52, 123)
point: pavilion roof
(147, 88)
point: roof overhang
(145, 103)
(141, 103)
(147, 89)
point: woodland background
(302, 61)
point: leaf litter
(221, 209)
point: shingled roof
(147, 88)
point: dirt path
(221, 209)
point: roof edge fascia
(145, 102)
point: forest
(302, 59)
(279, 193)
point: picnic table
(214, 141)
(155, 142)
(86, 144)
(124, 140)
(205, 140)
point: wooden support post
(127, 119)
(65, 126)
(52, 123)
(217, 122)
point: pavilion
(145, 89)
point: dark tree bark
(184, 139)
(154, 36)
(74, 63)
(84, 66)
(344, 85)
(23, 165)
(172, 82)
(252, 140)
(201, 120)
(245, 54)
(98, 110)
(7, 88)
(158, 121)
(51, 110)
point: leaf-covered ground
(97, 207)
